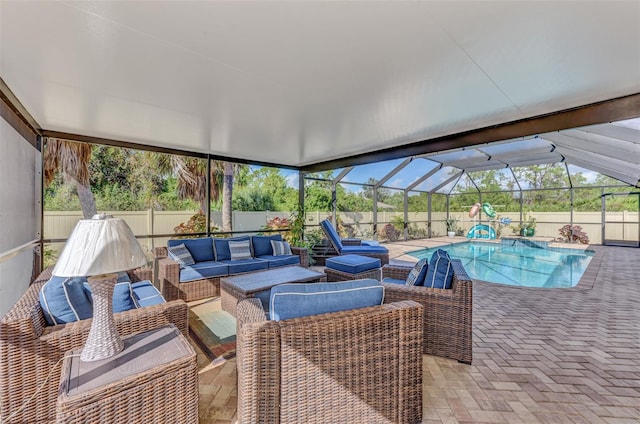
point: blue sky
(409, 174)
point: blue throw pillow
(440, 273)
(417, 274)
(123, 297)
(64, 300)
(180, 254)
(303, 299)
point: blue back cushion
(440, 273)
(63, 300)
(262, 244)
(418, 273)
(332, 234)
(201, 249)
(297, 300)
(222, 247)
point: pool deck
(567, 355)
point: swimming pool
(518, 263)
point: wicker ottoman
(352, 267)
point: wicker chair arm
(168, 269)
(141, 274)
(396, 272)
(160, 252)
(303, 252)
(250, 311)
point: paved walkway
(540, 355)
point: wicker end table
(239, 287)
(153, 380)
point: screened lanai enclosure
(585, 177)
(203, 119)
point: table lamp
(98, 248)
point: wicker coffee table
(239, 287)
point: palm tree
(73, 160)
(192, 183)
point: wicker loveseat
(29, 348)
(356, 366)
(447, 320)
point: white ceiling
(296, 83)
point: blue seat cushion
(440, 273)
(302, 299)
(262, 244)
(64, 300)
(331, 233)
(201, 249)
(393, 281)
(418, 273)
(352, 264)
(222, 247)
(363, 249)
(278, 261)
(201, 270)
(123, 299)
(247, 265)
(146, 294)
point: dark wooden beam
(12, 111)
(596, 113)
(146, 147)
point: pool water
(518, 263)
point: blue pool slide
(481, 231)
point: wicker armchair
(358, 366)
(29, 348)
(447, 320)
(168, 272)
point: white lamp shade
(99, 246)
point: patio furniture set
(348, 350)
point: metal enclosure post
(208, 195)
(375, 213)
(429, 215)
(406, 215)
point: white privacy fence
(621, 225)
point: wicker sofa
(447, 320)
(30, 350)
(168, 272)
(355, 366)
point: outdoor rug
(213, 329)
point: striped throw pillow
(440, 273)
(280, 248)
(240, 250)
(181, 254)
(417, 274)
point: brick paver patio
(540, 355)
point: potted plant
(530, 226)
(452, 226)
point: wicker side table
(153, 380)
